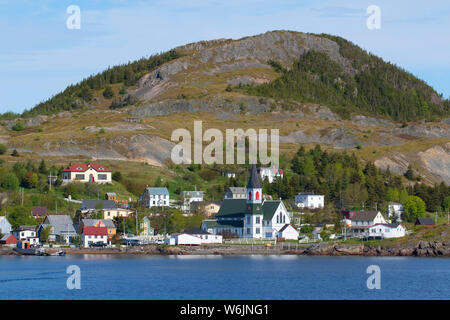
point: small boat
(58, 253)
(25, 252)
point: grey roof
(196, 231)
(364, 215)
(158, 191)
(94, 204)
(284, 227)
(92, 222)
(254, 182)
(25, 228)
(62, 224)
(6, 236)
(426, 221)
(192, 194)
(237, 190)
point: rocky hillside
(129, 112)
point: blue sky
(39, 56)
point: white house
(61, 227)
(187, 197)
(206, 237)
(236, 193)
(395, 210)
(253, 217)
(87, 172)
(361, 221)
(5, 226)
(26, 233)
(384, 230)
(155, 197)
(109, 208)
(186, 239)
(271, 174)
(92, 235)
(230, 175)
(309, 200)
(288, 232)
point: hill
(314, 88)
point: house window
(248, 231)
(257, 195)
(250, 195)
(258, 220)
(79, 176)
(102, 177)
(258, 230)
(248, 219)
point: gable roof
(192, 194)
(62, 224)
(111, 194)
(158, 191)
(270, 207)
(237, 190)
(365, 215)
(284, 227)
(254, 182)
(93, 222)
(93, 231)
(92, 204)
(232, 208)
(236, 208)
(425, 221)
(196, 231)
(39, 211)
(389, 225)
(82, 167)
(7, 236)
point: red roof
(95, 231)
(82, 167)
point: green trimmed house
(253, 217)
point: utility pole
(22, 196)
(137, 230)
(50, 179)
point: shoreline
(420, 249)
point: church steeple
(254, 188)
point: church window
(250, 195)
(257, 195)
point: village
(244, 215)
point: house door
(91, 178)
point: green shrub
(18, 126)
(3, 149)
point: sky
(40, 56)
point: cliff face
(221, 62)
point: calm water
(216, 277)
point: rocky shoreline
(419, 249)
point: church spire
(254, 181)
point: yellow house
(117, 212)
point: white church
(253, 217)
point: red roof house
(95, 231)
(8, 239)
(87, 172)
